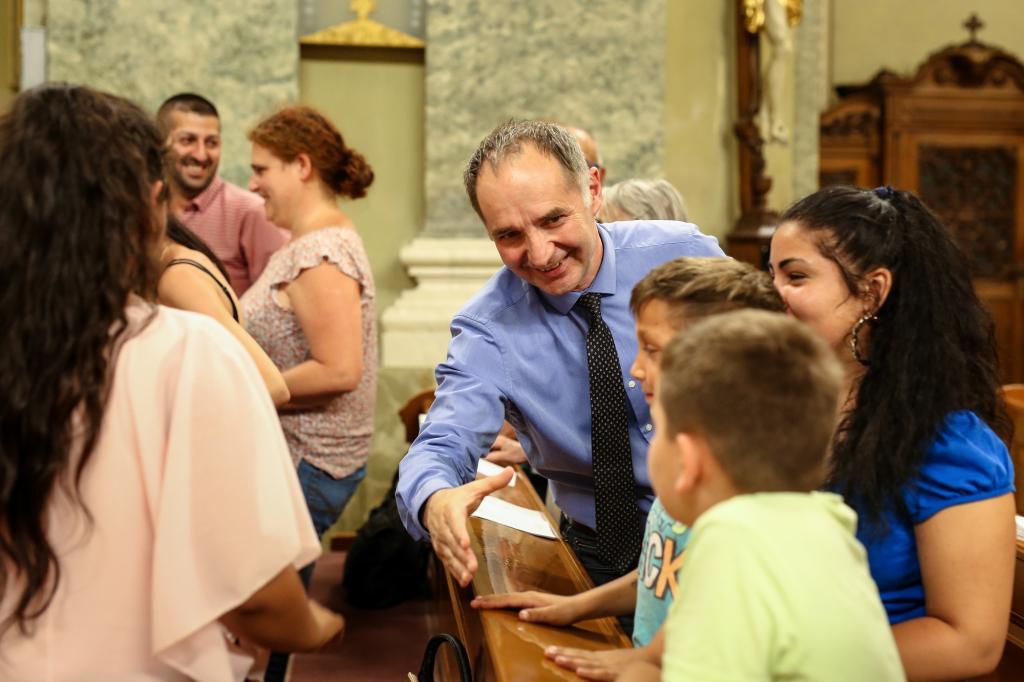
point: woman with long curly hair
(139, 454)
(917, 450)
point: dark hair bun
(352, 175)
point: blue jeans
(325, 495)
(326, 498)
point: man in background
(591, 152)
(229, 219)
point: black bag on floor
(385, 566)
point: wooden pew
(1013, 395)
(502, 647)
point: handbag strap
(430, 655)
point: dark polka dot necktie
(619, 534)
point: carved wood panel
(973, 189)
(954, 134)
(845, 176)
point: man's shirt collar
(604, 282)
(202, 201)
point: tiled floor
(378, 645)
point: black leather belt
(579, 527)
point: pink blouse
(195, 506)
(335, 437)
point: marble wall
(228, 51)
(700, 150)
(596, 64)
(810, 95)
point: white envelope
(512, 515)
(485, 468)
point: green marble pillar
(242, 54)
(810, 94)
(597, 64)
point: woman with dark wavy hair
(139, 454)
(916, 451)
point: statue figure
(775, 19)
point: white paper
(512, 515)
(1020, 527)
(485, 468)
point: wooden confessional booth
(954, 134)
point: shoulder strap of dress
(189, 261)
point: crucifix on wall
(973, 25)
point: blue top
(966, 463)
(518, 353)
(657, 574)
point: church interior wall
(227, 51)
(376, 98)
(8, 50)
(385, 124)
(868, 35)
(699, 148)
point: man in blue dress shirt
(518, 349)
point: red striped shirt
(232, 222)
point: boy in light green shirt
(775, 586)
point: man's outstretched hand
(444, 516)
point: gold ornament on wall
(753, 12)
(362, 32)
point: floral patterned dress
(334, 438)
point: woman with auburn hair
(312, 308)
(916, 451)
(139, 457)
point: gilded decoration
(13, 12)
(754, 14)
(362, 32)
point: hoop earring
(855, 337)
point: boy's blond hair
(762, 388)
(695, 288)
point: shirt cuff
(409, 510)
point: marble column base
(448, 272)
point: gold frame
(15, 13)
(363, 32)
